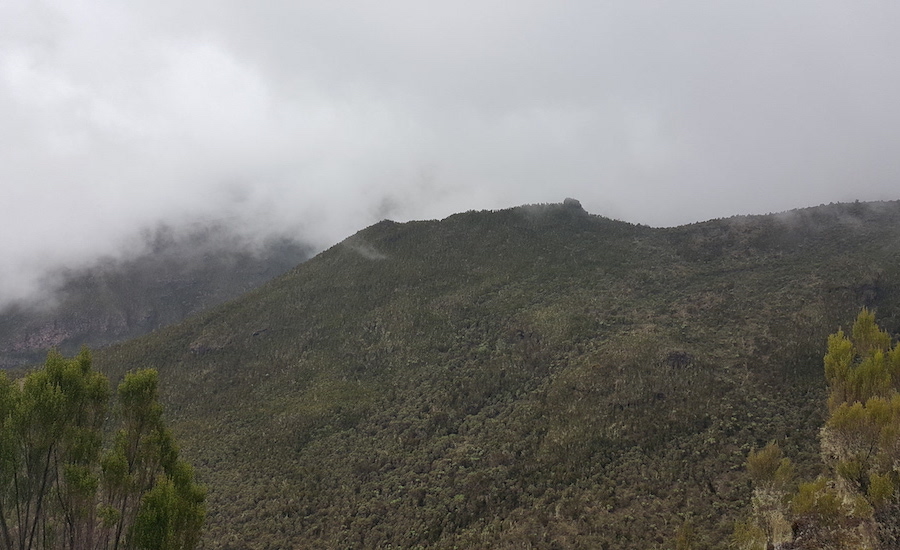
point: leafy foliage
(856, 505)
(59, 486)
(861, 439)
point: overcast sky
(318, 118)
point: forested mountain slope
(171, 276)
(534, 377)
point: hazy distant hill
(537, 377)
(172, 276)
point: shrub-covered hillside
(534, 377)
(164, 280)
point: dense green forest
(536, 377)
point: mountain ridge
(535, 375)
(164, 279)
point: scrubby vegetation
(534, 377)
(855, 503)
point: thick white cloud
(318, 118)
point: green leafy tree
(772, 476)
(858, 504)
(62, 487)
(826, 517)
(860, 438)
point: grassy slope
(530, 376)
